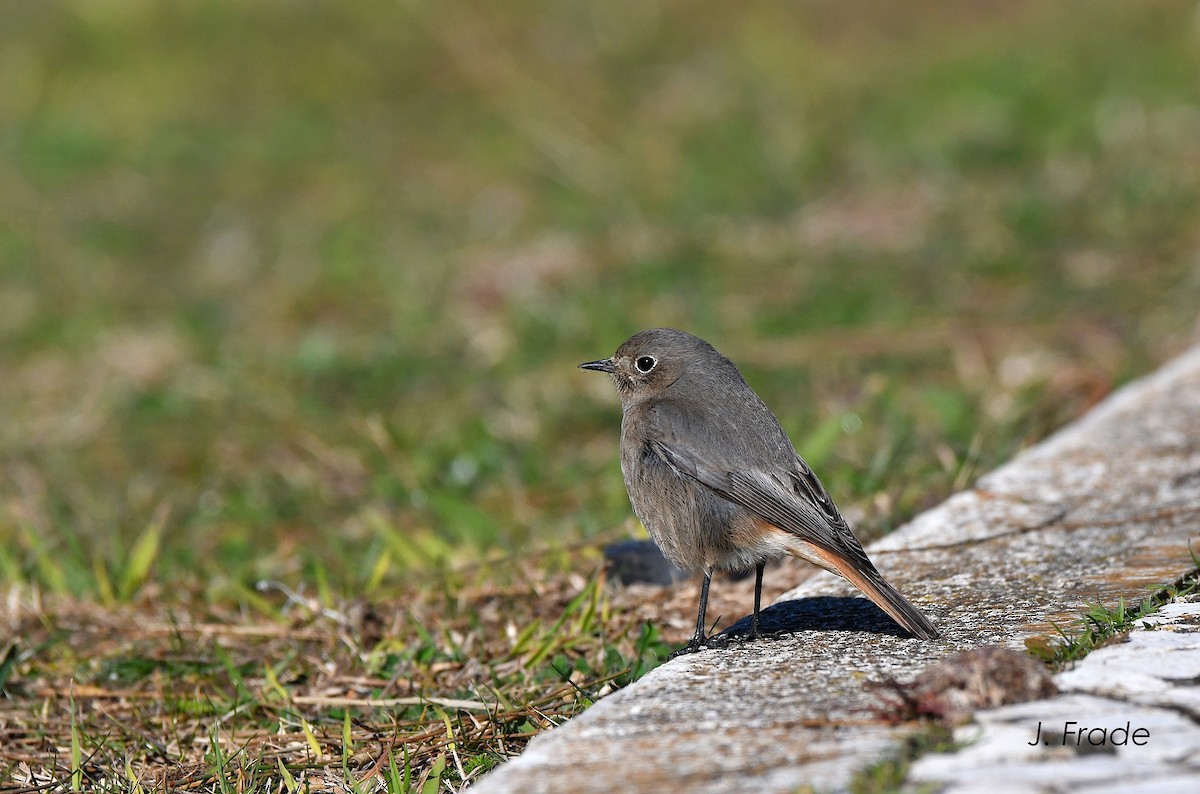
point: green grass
(294, 293)
(1099, 623)
(889, 775)
(437, 686)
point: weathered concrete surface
(1145, 693)
(1103, 509)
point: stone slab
(1104, 509)
(1150, 683)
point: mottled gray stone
(1101, 510)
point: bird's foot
(695, 646)
(752, 636)
(698, 644)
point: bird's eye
(645, 363)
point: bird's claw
(698, 644)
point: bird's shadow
(820, 613)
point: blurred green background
(297, 289)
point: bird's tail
(873, 586)
(890, 601)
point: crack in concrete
(1193, 681)
(1190, 715)
(958, 544)
(1169, 511)
(1056, 521)
(1186, 477)
(1183, 711)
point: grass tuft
(1101, 624)
(889, 775)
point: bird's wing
(789, 497)
(776, 485)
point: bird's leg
(698, 640)
(758, 576)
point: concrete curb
(1103, 509)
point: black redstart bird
(716, 481)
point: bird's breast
(695, 528)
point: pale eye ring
(645, 363)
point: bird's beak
(603, 365)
